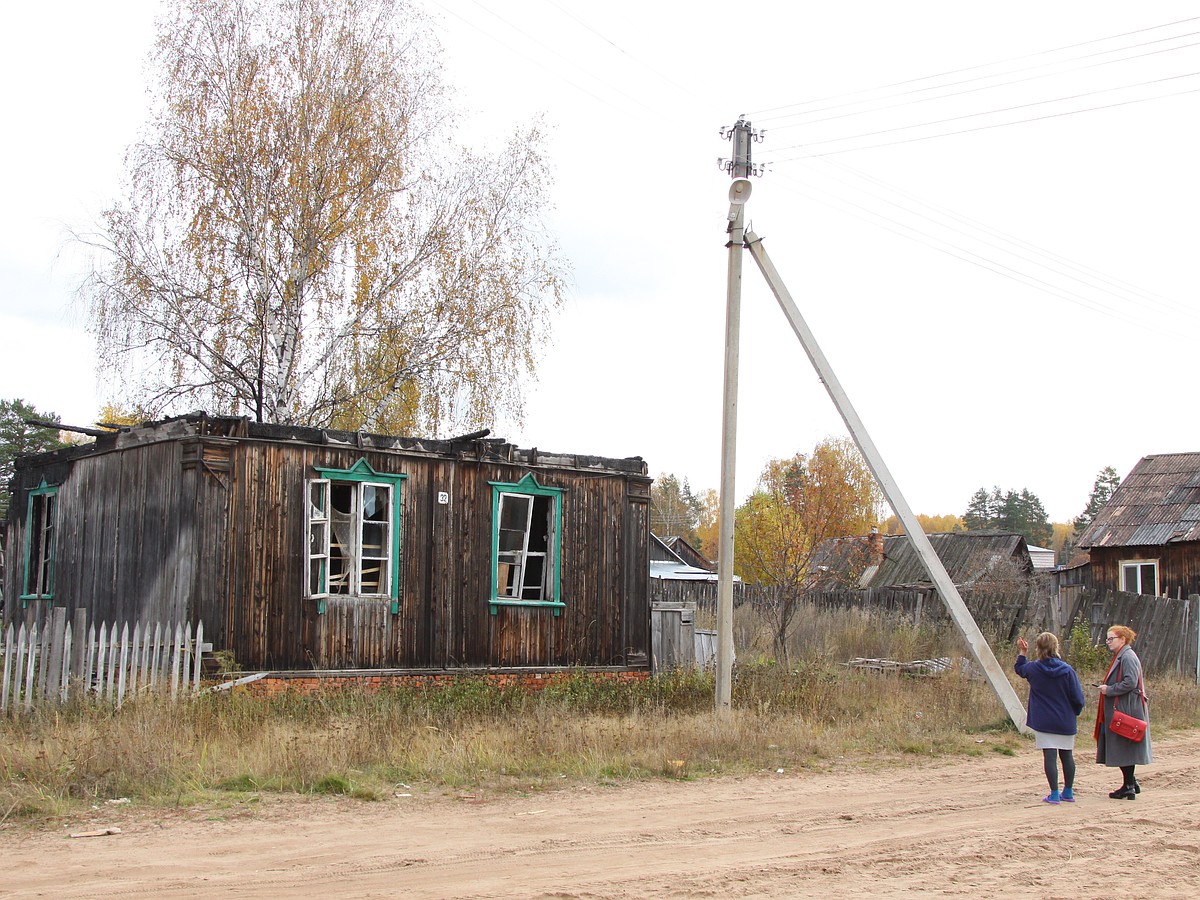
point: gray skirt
(1048, 741)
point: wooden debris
(921, 668)
(99, 832)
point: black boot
(1137, 788)
(1125, 792)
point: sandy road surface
(971, 827)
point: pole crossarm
(963, 620)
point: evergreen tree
(18, 437)
(980, 510)
(1106, 483)
(1011, 511)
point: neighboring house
(1042, 558)
(889, 561)
(1146, 538)
(689, 554)
(301, 547)
(667, 564)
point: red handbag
(1127, 726)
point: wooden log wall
(1178, 567)
(183, 525)
(117, 548)
(443, 617)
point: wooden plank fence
(1168, 628)
(65, 660)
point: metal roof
(1157, 503)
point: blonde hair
(1124, 632)
(1047, 645)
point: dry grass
(474, 736)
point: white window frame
(1137, 566)
(521, 557)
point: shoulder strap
(1141, 690)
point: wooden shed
(1146, 538)
(878, 561)
(304, 548)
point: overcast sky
(987, 218)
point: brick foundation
(315, 682)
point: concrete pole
(728, 499)
(740, 167)
(962, 617)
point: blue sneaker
(1052, 797)
(1068, 795)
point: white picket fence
(108, 664)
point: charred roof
(477, 445)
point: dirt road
(972, 827)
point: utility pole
(740, 166)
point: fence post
(30, 666)
(135, 658)
(1194, 600)
(12, 671)
(43, 657)
(197, 654)
(176, 658)
(77, 683)
(52, 663)
(124, 664)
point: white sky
(1013, 305)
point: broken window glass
(40, 526)
(350, 524)
(525, 525)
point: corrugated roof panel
(1151, 534)
(1156, 503)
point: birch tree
(301, 242)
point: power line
(1131, 293)
(537, 62)
(927, 137)
(987, 87)
(968, 256)
(760, 113)
(614, 45)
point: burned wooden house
(303, 548)
(1146, 538)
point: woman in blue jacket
(1055, 702)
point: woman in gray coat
(1122, 689)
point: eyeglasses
(1109, 640)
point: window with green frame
(353, 522)
(526, 545)
(41, 519)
